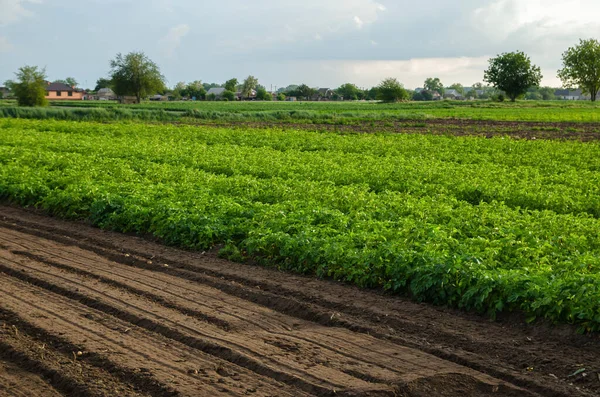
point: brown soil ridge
(281, 333)
(529, 130)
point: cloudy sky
(322, 43)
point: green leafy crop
(489, 225)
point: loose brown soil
(85, 312)
(585, 132)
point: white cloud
(297, 21)
(5, 45)
(502, 18)
(172, 40)
(411, 72)
(359, 22)
(14, 10)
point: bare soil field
(585, 132)
(84, 312)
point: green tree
(102, 83)
(459, 88)
(424, 95)
(10, 84)
(371, 94)
(390, 90)
(208, 86)
(249, 84)
(348, 91)
(304, 91)
(548, 93)
(195, 89)
(533, 95)
(211, 97)
(231, 85)
(581, 67)
(30, 88)
(179, 90)
(71, 82)
(228, 95)
(281, 96)
(262, 94)
(135, 74)
(513, 73)
(434, 84)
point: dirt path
(91, 313)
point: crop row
(389, 211)
(313, 112)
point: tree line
(510, 75)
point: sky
(322, 43)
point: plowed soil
(529, 130)
(85, 312)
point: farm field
(314, 112)
(92, 313)
(450, 212)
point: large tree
(71, 82)
(434, 84)
(179, 90)
(513, 73)
(459, 88)
(263, 95)
(249, 84)
(30, 87)
(135, 74)
(390, 90)
(581, 67)
(195, 89)
(348, 91)
(304, 91)
(231, 84)
(102, 83)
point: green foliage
(231, 85)
(434, 85)
(211, 97)
(459, 88)
(281, 96)
(136, 75)
(360, 112)
(30, 88)
(249, 84)
(489, 225)
(513, 73)
(103, 83)
(304, 91)
(390, 90)
(195, 89)
(71, 82)
(581, 67)
(348, 91)
(424, 95)
(263, 95)
(228, 95)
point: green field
(315, 112)
(491, 225)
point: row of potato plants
(383, 211)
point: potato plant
(489, 225)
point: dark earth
(85, 312)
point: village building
(61, 91)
